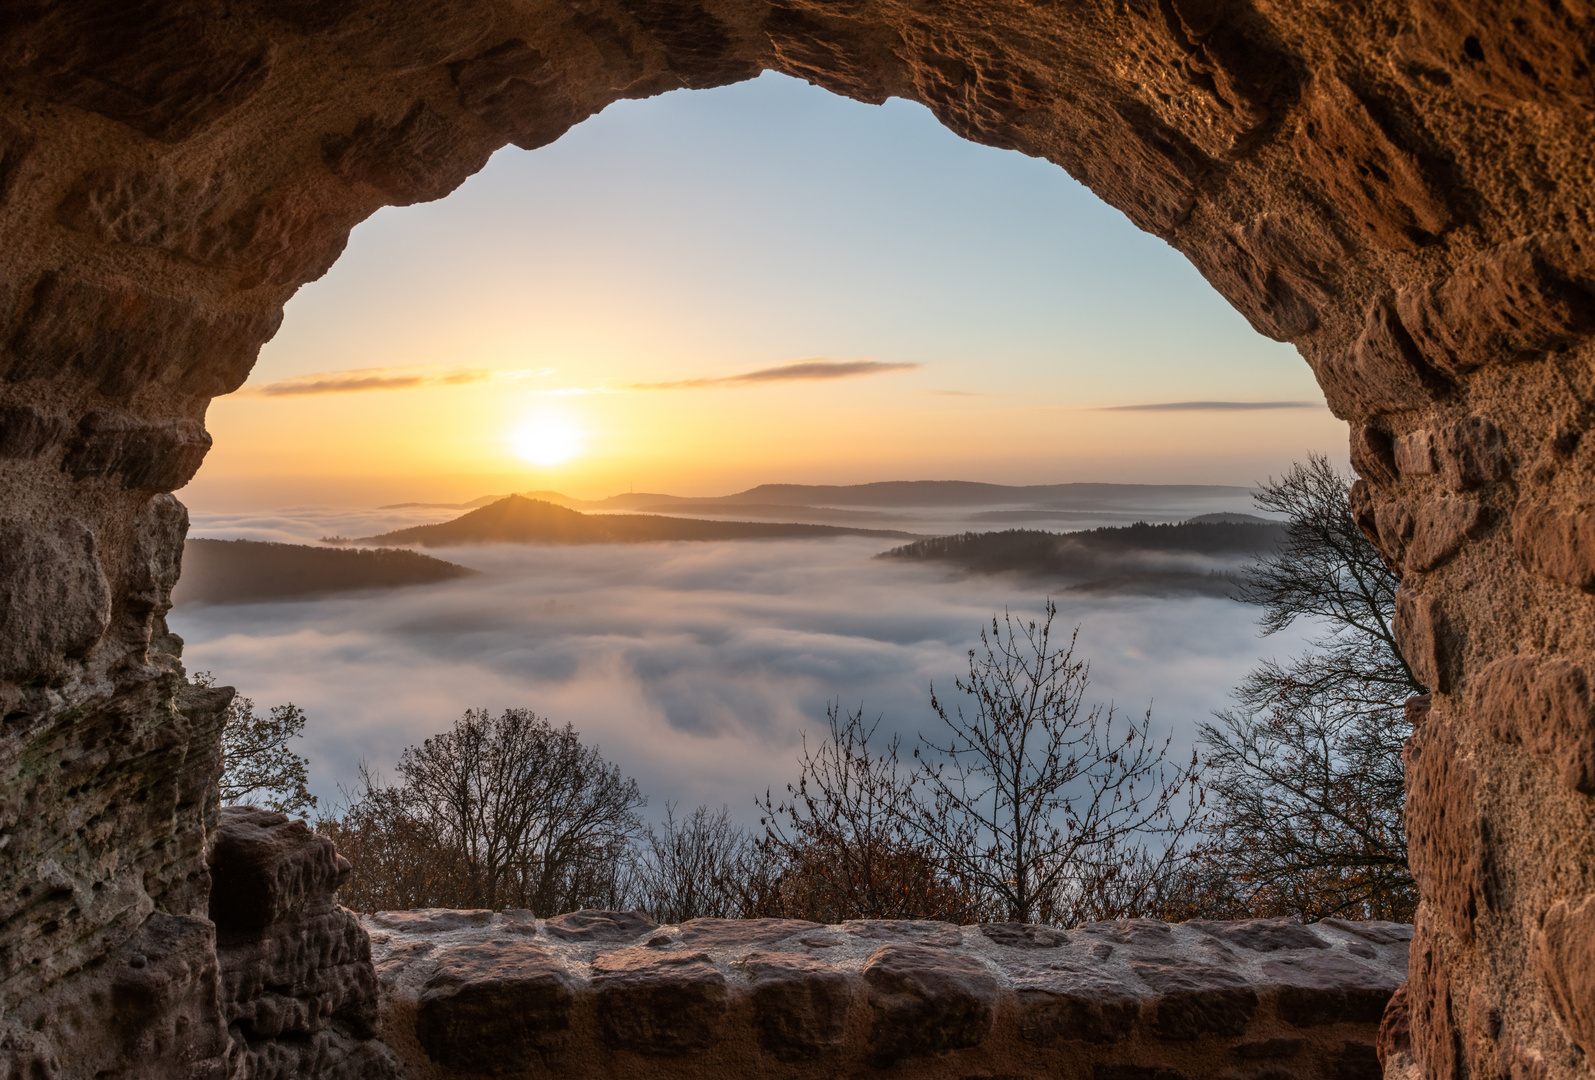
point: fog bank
(694, 665)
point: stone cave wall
(1401, 188)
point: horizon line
(1211, 406)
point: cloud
(368, 379)
(1213, 406)
(800, 371)
(695, 667)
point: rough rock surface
(479, 993)
(298, 990)
(1401, 188)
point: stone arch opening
(1400, 189)
(680, 256)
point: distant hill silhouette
(918, 493)
(790, 511)
(1139, 557)
(238, 571)
(817, 499)
(519, 520)
(472, 505)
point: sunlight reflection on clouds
(694, 665)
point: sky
(693, 295)
(709, 290)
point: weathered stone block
(1263, 935)
(1071, 1004)
(1557, 545)
(1415, 454)
(739, 933)
(1545, 704)
(1426, 639)
(497, 1007)
(1132, 931)
(433, 920)
(267, 868)
(927, 1000)
(1197, 999)
(299, 990)
(1024, 935)
(1329, 989)
(1473, 454)
(599, 926)
(800, 1004)
(1440, 528)
(659, 1003)
(163, 993)
(1564, 957)
(1446, 842)
(1269, 1049)
(1509, 304)
(1356, 1061)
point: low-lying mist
(695, 666)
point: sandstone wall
(298, 990)
(599, 994)
(1399, 187)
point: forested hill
(1197, 555)
(238, 571)
(519, 520)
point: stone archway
(1400, 188)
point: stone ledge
(607, 994)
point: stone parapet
(614, 994)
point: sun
(547, 440)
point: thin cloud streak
(801, 371)
(364, 380)
(1212, 406)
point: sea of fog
(697, 667)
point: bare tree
(401, 859)
(1306, 770)
(258, 768)
(519, 813)
(840, 845)
(1057, 811)
(696, 866)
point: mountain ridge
(882, 493)
(520, 520)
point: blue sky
(699, 235)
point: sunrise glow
(547, 440)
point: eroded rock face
(468, 993)
(298, 990)
(1401, 188)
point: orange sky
(986, 312)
